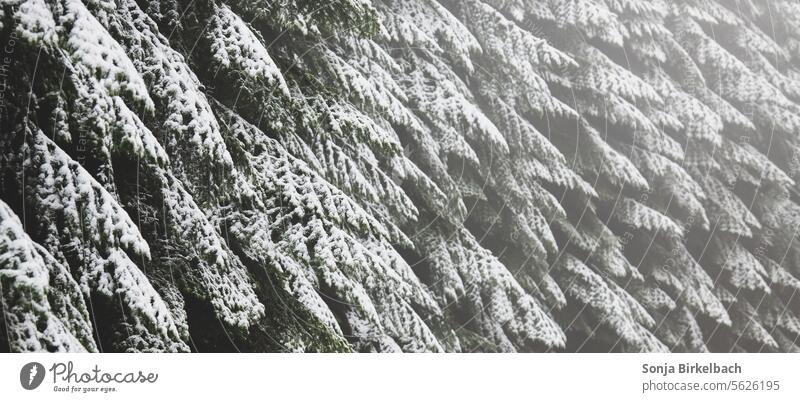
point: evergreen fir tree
(400, 175)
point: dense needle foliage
(400, 175)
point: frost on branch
(82, 225)
(43, 306)
(401, 175)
